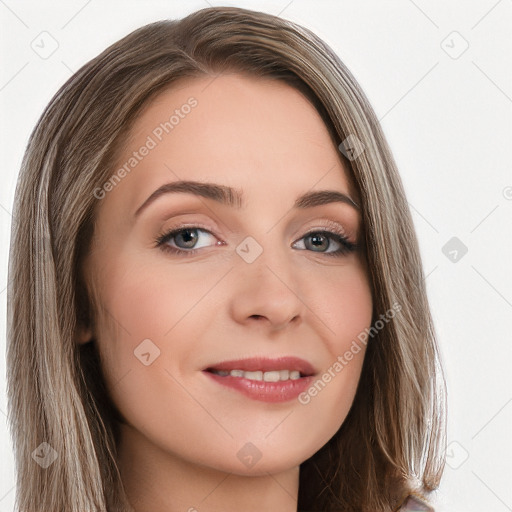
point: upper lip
(265, 365)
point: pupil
(319, 240)
(190, 237)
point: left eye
(323, 240)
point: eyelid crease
(334, 226)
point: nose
(267, 292)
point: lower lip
(282, 391)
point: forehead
(248, 132)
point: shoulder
(415, 503)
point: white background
(448, 121)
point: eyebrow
(234, 197)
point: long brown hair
(392, 441)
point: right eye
(184, 240)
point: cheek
(344, 306)
(147, 327)
(350, 309)
(148, 302)
(343, 303)
(149, 321)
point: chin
(262, 467)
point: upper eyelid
(336, 224)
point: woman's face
(255, 277)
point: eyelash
(346, 247)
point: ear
(83, 335)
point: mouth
(269, 380)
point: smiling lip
(263, 391)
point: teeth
(272, 376)
(253, 375)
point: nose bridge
(266, 280)
(265, 254)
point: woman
(288, 360)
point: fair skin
(182, 431)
